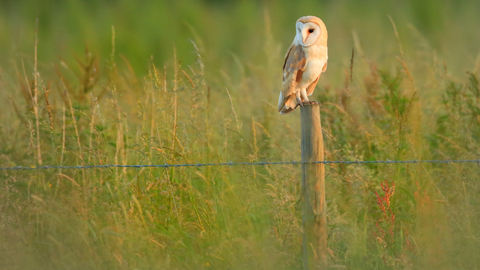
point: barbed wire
(326, 162)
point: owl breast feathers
(305, 60)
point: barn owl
(305, 60)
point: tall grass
(200, 103)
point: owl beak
(304, 35)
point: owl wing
(293, 67)
(311, 87)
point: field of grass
(152, 82)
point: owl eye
(310, 30)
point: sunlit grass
(204, 103)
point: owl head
(310, 30)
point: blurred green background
(154, 82)
(225, 28)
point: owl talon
(298, 104)
(301, 104)
(314, 103)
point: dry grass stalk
(46, 91)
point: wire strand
(326, 162)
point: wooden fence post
(313, 188)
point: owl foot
(307, 103)
(299, 102)
(312, 103)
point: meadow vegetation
(121, 82)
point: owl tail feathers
(286, 105)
